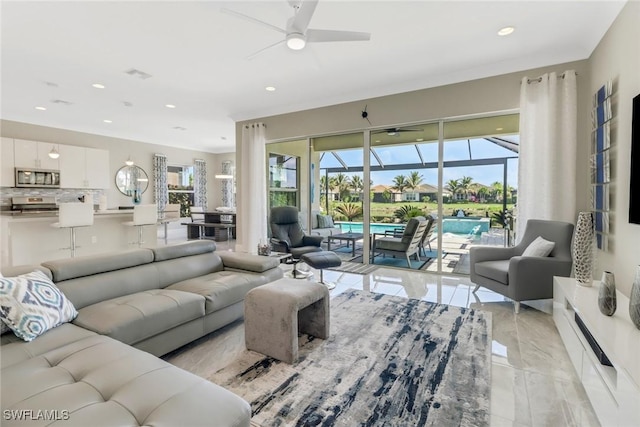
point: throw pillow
(31, 304)
(325, 221)
(539, 247)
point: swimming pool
(450, 225)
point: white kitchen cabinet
(82, 167)
(72, 167)
(34, 154)
(7, 165)
(97, 164)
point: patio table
(349, 237)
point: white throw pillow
(539, 247)
(31, 304)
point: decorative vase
(607, 294)
(634, 300)
(583, 249)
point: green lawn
(380, 211)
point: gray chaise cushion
(391, 244)
(53, 338)
(241, 261)
(133, 318)
(494, 270)
(101, 381)
(220, 289)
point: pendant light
(54, 154)
(129, 162)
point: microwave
(37, 178)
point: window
(180, 186)
(283, 180)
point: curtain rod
(539, 79)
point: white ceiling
(197, 58)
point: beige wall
(617, 58)
(493, 94)
(119, 151)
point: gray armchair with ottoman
(99, 367)
(287, 236)
(525, 271)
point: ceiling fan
(396, 131)
(297, 35)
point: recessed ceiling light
(419, 139)
(179, 128)
(41, 108)
(377, 140)
(107, 121)
(499, 128)
(98, 85)
(506, 31)
(170, 106)
(224, 138)
(270, 88)
(51, 84)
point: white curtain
(548, 143)
(252, 221)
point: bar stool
(143, 215)
(72, 216)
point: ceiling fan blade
(304, 15)
(254, 54)
(252, 19)
(317, 36)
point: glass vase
(607, 294)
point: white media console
(613, 391)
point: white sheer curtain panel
(252, 221)
(548, 143)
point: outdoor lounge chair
(408, 244)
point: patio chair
(407, 245)
(522, 278)
(426, 237)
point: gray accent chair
(287, 236)
(507, 272)
(406, 245)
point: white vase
(607, 302)
(583, 249)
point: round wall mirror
(131, 180)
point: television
(634, 187)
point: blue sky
(453, 150)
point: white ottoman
(275, 313)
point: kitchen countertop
(15, 215)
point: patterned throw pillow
(31, 304)
(325, 221)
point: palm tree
(414, 180)
(465, 184)
(399, 184)
(341, 182)
(453, 186)
(496, 188)
(349, 210)
(357, 185)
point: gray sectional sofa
(92, 371)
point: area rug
(389, 361)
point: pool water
(450, 225)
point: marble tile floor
(532, 380)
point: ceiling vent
(137, 73)
(61, 102)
